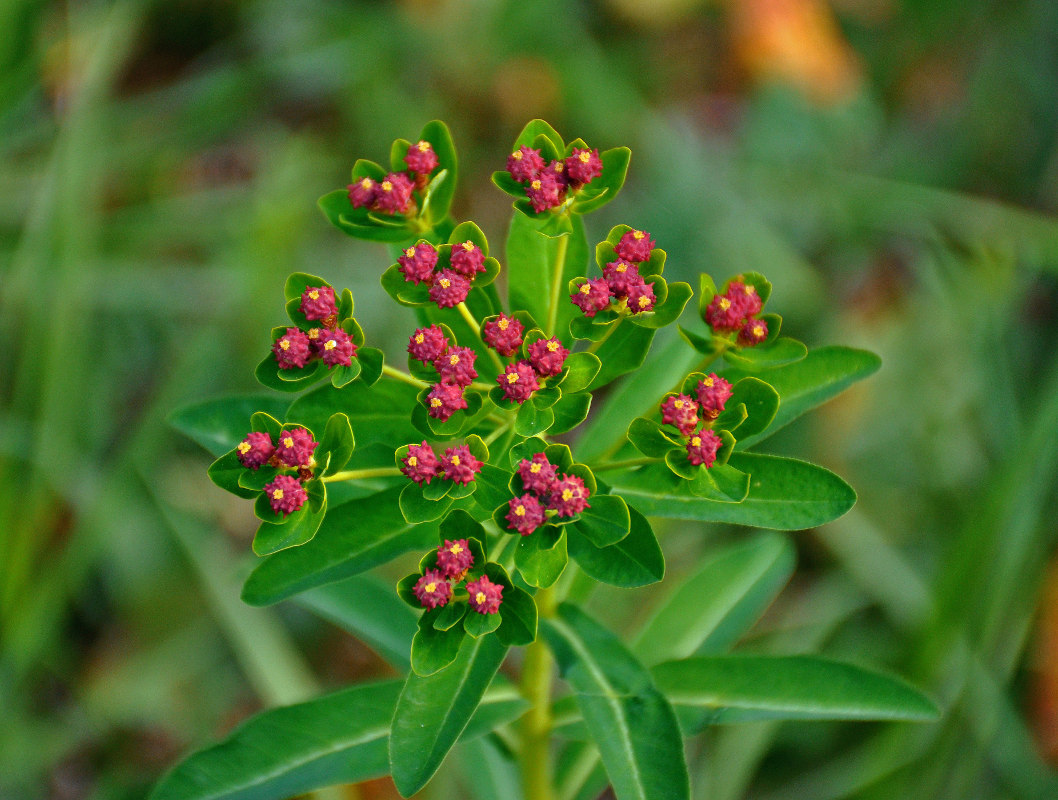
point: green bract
(546, 484)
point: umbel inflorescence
(496, 390)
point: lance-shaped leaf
(784, 493)
(740, 688)
(353, 538)
(433, 710)
(719, 602)
(636, 560)
(631, 722)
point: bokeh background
(891, 165)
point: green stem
(401, 375)
(556, 281)
(496, 434)
(360, 474)
(535, 755)
(629, 462)
(473, 323)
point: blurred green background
(891, 165)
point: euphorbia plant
(475, 453)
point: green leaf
(533, 129)
(532, 420)
(353, 538)
(808, 383)
(226, 472)
(606, 521)
(269, 374)
(371, 362)
(718, 602)
(579, 371)
(337, 442)
(439, 196)
(220, 424)
(650, 438)
(343, 375)
(403, 291)
(623, 351)
(672, 298)
(570, 411)
(766, 356)
(531, 257)
(541, 556)
(706, 292)
(433, 711)
(736, 688)
(703, 344)
(432, 649)
(604, 188)
(277, 532)
(518, 609)
(477, 624)
(492, 483)
(448, 617)
(417, 507)
(761, 403)
(298, 282)
(503, 181)
(469, 231)
(632, 723)
(636, 560)
(758, 282)
(785, 494)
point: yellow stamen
(314, 294)
(453, 360)
(567, 494)
(419, 338)
(708, 382)
(519, 511)
(455, 461)
(314, 333)
(288, 441)
(504, 324)
(758, 330)
(678, 405)
(479, 598)
(445, 283)
(638, 235)
(696, 441)
(277, 494)
(559, 166)
(512, 377)
(455, 549)
(284, 344)
(552, 347)
(387, 186)
(436, 402)
(366, 183)
(517, 155)
(622, 267)
(585, 157)
(410, 252)
(724, 304)
(468, 245)
(535, 185)
(751, 289)
(585, 289)
(424, 147)
(413, 461)
(330, 344)
(644, 302)
(535, 468)
(430, 587)
(244, 447)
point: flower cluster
(454, 365)
(681, 411)
(546, 359)
(736, 310)
(456, 464)
(450, 285)
(294, 452)
(327, 341)
(621, 282)
(546, 491)
(436, 586)
(394, 194)
(547, 185)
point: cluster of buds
(547, 185)
(327, 342)
(454, 365)
(293, 451)
(448, 286)
(681, 411)
(737, 310)
(394, 194)
(621, 282)
(546, 359)
(437, 586)
(456, 464)
(546, 492)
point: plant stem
(630, 462)
(556, 280)
(403, 376)
(535, 756)
(496, 434)
(473, 323)
(357, 474)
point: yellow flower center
(559, 166)
(519, 511)
(277, 494)
(455, 461)
(585, 157)
(479, 598)
(387, 186)
(244, 447)
(445, 283)
(430, 588)
(644, 302)
(424, 147)
(512, 377)
(535, 185)
(453, 360)
(284, 344)
(314, 333)
(567, 494)
(314, 294)
(724, 304)
(330, 344)
(708, 382)
(456, 549)
(751, 289)
(696, 441)
(413, 461)
(622, 267)
(410, 252)
(552, 347)
(504, 324)
(758, 330)
(366, 183)
(435, 402)
(468, 245)
(288, 441)
(638, 235)
(678, 405)
(585, 289)
(535, 468)
(517, 155)
(419, 338)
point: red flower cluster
(293, 451)
(681, 411)
(329, 343)
(394, 194)
(547, 185)
(449, 286)
(546, 359)
(454, 365)
(620, 281)
(566, 496)
(456, 464)
(737, 310)
(435, 588)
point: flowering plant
(505, 454)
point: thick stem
(361, 474)
(556, 284)
(535, 756)
(403, 376)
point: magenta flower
(524, 164)
(545, 191)
(454, 559)
(583, 165)
(285, 494)
(712, 393)
(547, 356)
(417, 263)
(317, 302)
(503, 334)
(753, 332)
(723, 315)
(468, 259)
(525, 514)
(635, 246)
(421, 464)
(291, 349)
(255, 450)
(432, 589)
(295, 447)
(681, 411)
(568, 496)
(394, 193)
(427, 344)
(621, 276)
(362, 194)
(641, 298)
(421, 158)
(518, 381)
(336, 348)
(702, 448)
(444, 400)
(484, 595)
(457, 366)
(538, 474)
(449, 289)
(592, 296)
(459, 464)
(745, 297)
